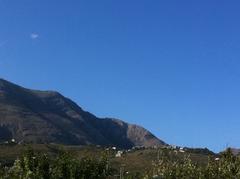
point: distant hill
(235, 151)
(33, 116)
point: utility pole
(121, 172)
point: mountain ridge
(35, 116)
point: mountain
(33, 116)
(235, 151)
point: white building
(119, 153)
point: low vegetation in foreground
(108, 164)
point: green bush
(225, 167)
(39, 166)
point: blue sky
(170, 66)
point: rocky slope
(32, 116)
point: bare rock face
(32, 116)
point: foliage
(227, 166)
(40, 166)
(34, 165)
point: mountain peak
(4, 82)
(12, 87)
(49, 117)
(6, 86)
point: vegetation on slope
(58, 162)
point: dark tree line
(40, 166)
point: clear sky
(171, 66)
